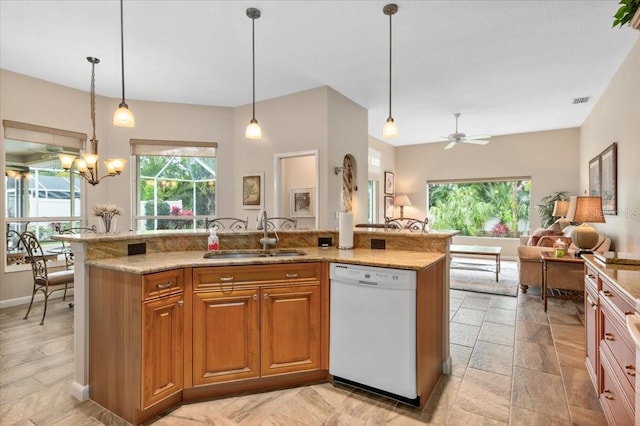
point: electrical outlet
(325, 241)
(378, 244)
(337, 215)
(139, 248)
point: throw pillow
(549, 241)
(559, 225)
(539, 233)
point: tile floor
(512, 364)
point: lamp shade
(402, 200)
(585, 209)
(560, 208)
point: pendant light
(390, 130)
(123, 116)
(87, 166)
(253, 129)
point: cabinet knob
(266, 295)
(607, 394)
(181, 303)
(255, 297)
(630, 370)
(609, 336)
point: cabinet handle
(266, 295)
(162, 286)
(607, 394)
(607, 293)
(609, 336)
(593, 277)
(181, 303)
(226, 279)
(630, 369)
(255, 297)
(292, 275)
(629, 313)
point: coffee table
(567, 267)
(489, 251)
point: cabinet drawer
(226, 276)
(617, 408)
(162, 283)
(591, 278)
(616, 338)
(613, 295)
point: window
(487, 208)
(176, 183)
(39, 195)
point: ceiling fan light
(253, 132)
(390, 130)
(123, 117)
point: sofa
(543, 239)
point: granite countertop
(155, 262)
(627, 277)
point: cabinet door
(290, 329)
(162, 349)
(591, 336)
(226, 336)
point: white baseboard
(79, 392)
(26, 299)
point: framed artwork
(301, 202)
(252, 190)
(388, 207)
(609, 179)
(388, 183)
(594, 176)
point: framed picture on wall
(388, 207)
(388, 183)
(301, 202)
(594, 176)
(609, 179)
(252, 190)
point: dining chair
(43, 280)
(231, 223)
(282, 223)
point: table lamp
(585, 210)
(402, 200)
(560, 208)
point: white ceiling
(507, 66)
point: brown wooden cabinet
(136, 366)
(255, 321)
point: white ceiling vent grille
(581, 100)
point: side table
(564, 273)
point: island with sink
(177, 323)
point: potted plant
(628, 12)
(545, 208)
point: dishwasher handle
(367, 282)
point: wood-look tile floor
(512, 364)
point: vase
(107, 224)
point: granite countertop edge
(626, 277)
(162, 261)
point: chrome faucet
(262, 224)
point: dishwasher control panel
(372, 275)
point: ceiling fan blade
(478, 137)
(451, 145)
(475, 141)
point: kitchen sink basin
(244, 254)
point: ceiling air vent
(581, 100)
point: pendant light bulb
(123, 117)
(253, 132)
(390, 129)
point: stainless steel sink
(244, 254)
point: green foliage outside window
(489, 209)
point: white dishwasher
(373, 329)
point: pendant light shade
(390, 130)
(253, 131)
(123, 117)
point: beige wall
(616, 118)
(549, 158)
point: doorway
(296, 179)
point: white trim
(79, 392)
(24, 300)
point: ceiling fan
(457, 137)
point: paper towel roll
(345, 231)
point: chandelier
(87, 166)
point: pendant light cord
(390, 32)
(253, 61)
(93, 100)
(122, 46)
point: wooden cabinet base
(259, 384)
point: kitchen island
(151, 316)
